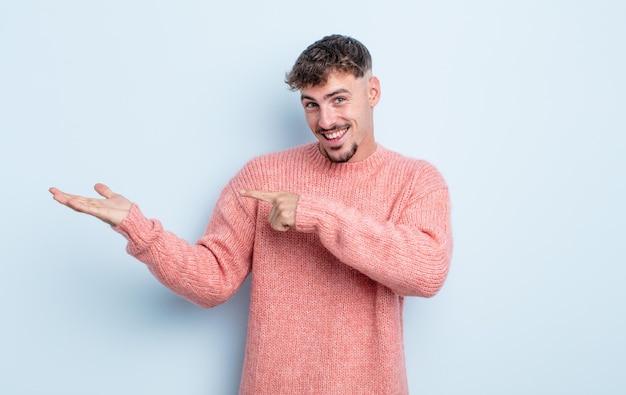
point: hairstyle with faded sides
(334, 53)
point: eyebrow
(328, 96)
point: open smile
(334, 134)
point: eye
(310, 105)
(339, 100)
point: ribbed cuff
(136, 228)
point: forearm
(197, 271)
(411, 256)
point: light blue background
(520, 104)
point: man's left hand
(283, 213)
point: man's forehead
(345, 82)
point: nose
(327, 118)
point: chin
(342, 157)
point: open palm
(112, 209)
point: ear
(373, 91)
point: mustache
(333, 129)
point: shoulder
(420, 172)
(280, 157)
(267, 169)
(279, 162)
(406, 163)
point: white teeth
(337, 134)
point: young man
(353, 228)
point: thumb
(104, 190)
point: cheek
(311, 120)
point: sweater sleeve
(410, 255)
(208, 272)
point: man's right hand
(112, 209)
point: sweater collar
(367, 165)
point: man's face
(340, 114)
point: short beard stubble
(346, 157)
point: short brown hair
(334, 53)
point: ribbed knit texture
(327, 295)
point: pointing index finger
(259, 195)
